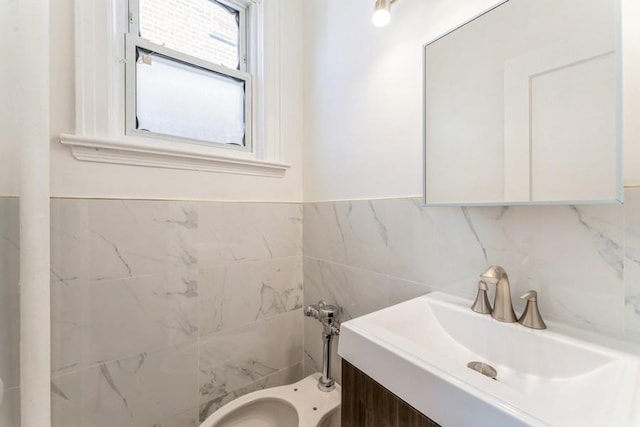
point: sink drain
(483, 368)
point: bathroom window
(187, 72)
(179, 84)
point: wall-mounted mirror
(522, 105)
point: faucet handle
(530, 295)
(531, 317)
(481, 304)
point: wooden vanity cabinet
(365, 403)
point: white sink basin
(420, 349)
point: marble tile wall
(10, 310)
(583, 260)
(163, 311)
(632, 263)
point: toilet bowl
(311, 402)
(301, 404)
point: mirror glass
(522, 105)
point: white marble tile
(238, 292)
(9, 292)
(235, 358)
(571, 255)
(353, 233)
(309, 362)
(71, 241)
(433, 246)
(138, 391)
(112, 239)
(323, 238)
(284, 376)
(125, 282)
(402, 290)
(211, 307)
(355, 291)
(632, 261)
(97, 321)
(544, 248)
(10, 339)
(10, 408)
(188, 418)
(9, 244)
(557, 241)
(248, 231)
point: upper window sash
(244, 31)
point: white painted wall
(73, 178)
(362, 109)
(9, 108)
(631, 90)
(363, 88)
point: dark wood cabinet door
(365, 403)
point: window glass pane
(202, 28)
(177, 99)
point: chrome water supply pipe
(327, 315)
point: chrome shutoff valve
(326, 314)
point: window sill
(163, 155)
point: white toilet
(295, 405)
(311, 402)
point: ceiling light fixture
(382, 13)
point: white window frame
(100, 134)
(134, 41)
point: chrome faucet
(502, 306)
